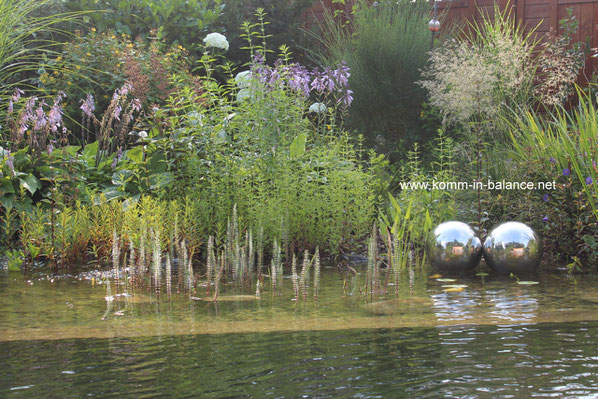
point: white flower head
(317, 108)
(244, 94)
(216, 40)
(142, 134)
(243, 79)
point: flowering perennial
(216, 40)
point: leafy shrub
(385, 47)
(557, 148)
(183, 22)
(100, 63)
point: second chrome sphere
(513, 247)
(454, 246)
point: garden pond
(492, 337)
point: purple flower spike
(589, 180)
(566, 172)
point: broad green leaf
(298, 146)
(31, 183)
(135, 154)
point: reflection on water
(69, 308)
(547, 360)
(489, 338)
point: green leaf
(31, 183)
(135, 154)
(527, 282)
(121, 177)
(298, 145)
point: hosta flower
(243, 79)
(317, 108)
(216, 40)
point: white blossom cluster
(216, 40)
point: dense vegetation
(172, 125)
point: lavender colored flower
(40, 120)
(117, 110)
(589, 180)
(10, 162)
(545, 218)
(88, 106)
(552, 160)
(545, 197)
(566, 172)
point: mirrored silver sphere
(454, 246)
(513, 247)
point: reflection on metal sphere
(513, 247)
(434, 25)
(454, 246)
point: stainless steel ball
(454, 246)
(513, 247)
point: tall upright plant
(386, 46)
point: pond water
(493, 338)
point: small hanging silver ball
(434, 25)
(513, 247)
(454, 246)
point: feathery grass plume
(304, 274)
(316, 273)
(132, 263)
(411, 271)
(274, 266)
(222, 261)
(191, 278)
(183, 269)
(115, 255)
(168, 275)
(157, 261)
(250, 255)
(210, 264)
(260, 252)
(397, 261)
(295, 277)
(372, 270)
(258, 291)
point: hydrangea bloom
(317, 108)
(216, 40)
(243, 79)
(243, 94)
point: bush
(386, 47)
(183, 22)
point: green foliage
(413, 212)
(21, 48)
(386, 47)
(184, 22)
(559, 147)
(286, 18)
(100, 63)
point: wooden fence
(540, 14)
